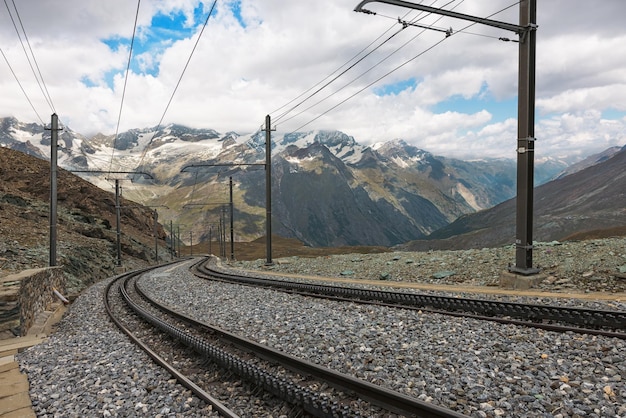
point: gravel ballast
(88, 368)
(478, 368)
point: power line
(130, 54)
(419, 17)
(276, 119)
(339, 68)
(396, 68)
(21, 87)
(45, 93)
(145, 150)
(338, 75)
(366, 71)
(369, 85)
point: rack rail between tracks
(179, 376)
(311, 403)
(556, 318)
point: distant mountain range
(327, 189)
(588, 202)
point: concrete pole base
(511, 280)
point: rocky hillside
(328, 190)
(86, 244)
(588, 203)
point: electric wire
(372, 67)
(440, 29)
(19, 36)
(277, 119)
(397, 68)
(419, 17)
(335, 71)
(21, 87)
(145, 150)
(119, 116)
(47, 94)
(338, 75)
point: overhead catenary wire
(369, 69)
(39, 79)
(420, 16)
(21, 87)
(119, 116)
(278, 118)
(398, 67)
(145, 150)
(337, 76)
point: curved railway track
(286, 377)
(549, 317)
(119, 286)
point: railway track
(549, 317)
(308, 389)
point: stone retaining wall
(36, 293)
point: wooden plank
(10, 376)
(8, 363)
(5, 353)
(21, 413)
(7, 359)
(14, 402)
(13, 387)
(19, 343)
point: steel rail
(181, 378)
(586, 321)
(310, 402)
(377, 395)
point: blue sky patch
(613, 114)
(236, 9)
(164, 30)
(395, 88)
(87, 81)
(500, 110)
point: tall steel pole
(527, 30)
(232, 226)
(172, 248)
(54, 137)
(223, 231)
(526, 141)
(156, 240)
(117, 222)
(210, 238)
(268, 190)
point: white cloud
(238, 73)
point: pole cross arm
(140, 173)
(184, 169)
(495, 23)
(186, 205)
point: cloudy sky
(362, 74)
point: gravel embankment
(88, 368)
(583, 266)
(478, 368)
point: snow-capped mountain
(327, 188)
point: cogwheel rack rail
(555, 318)
(312, 404)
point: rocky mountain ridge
(327, 189)
(86, 232)
(588, 203)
